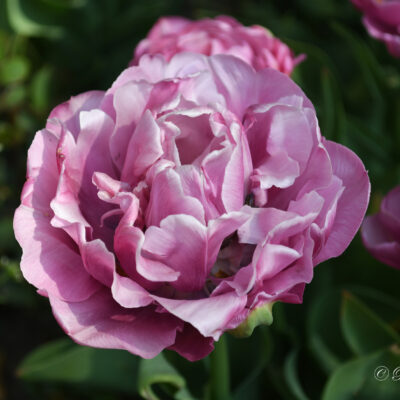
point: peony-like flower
(382, 21)
(182, 201)
(381, 232)
(221, 35)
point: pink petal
(209, 315)
(68, 112)
(352, 204)
(128, 293)
(236, 81)
(100, 322)
(144, 149)
(129, 102)
(299, 272)
(167, 198)
(99, 261)
(185, 340)
(379, 242)
(50, 259)
(274, 87)
(188, 257)
(128, 247)
(390, 212)
(42, 173)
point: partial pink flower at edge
(221, 35)
(382, 21)
(381, 232)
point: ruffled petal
(100, 322)
(209, 315)
(185, 340)
(187, 257)
(352, 204)
(50, 260)
(379, 242)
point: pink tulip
(221, 35)
(382, 21)
(163, 212)
(381, 232)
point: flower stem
(219, 371)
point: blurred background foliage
(349, 323)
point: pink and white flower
(163, 212)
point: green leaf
(29, 24)
(157, 375)
(328, 120)
(292, 378)
(323, 326)
(334, 117)
(12, 97)
(195, 373)
(364, 330)
(254, 353)
(371, 377)
(13, 70)
(8, 241)
(41, 89)
(66, 362)
(259, 316)
(369, 67)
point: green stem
(219, 371)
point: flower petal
(352, 204)
(50, 259)
(100, 322)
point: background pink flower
(382, 20)
(221, 35)
(163, 212)
(381, 232)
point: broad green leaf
(328, 121)
(371, 377)
(13, 289)
(334, 117)
(370, 69)
(13, 97)
(254, 353)
(158, 376)
(65, 4)
(323, 326)
(25, 24)
(41, 89)
(5, 42)
(13, 70)
(291, 376)
(8, 241)
(364, 330)
(383, 304)
(66, 362)
(194, 373)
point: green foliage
(357, 320)
(357, 378)
(349, 325)
(259, 316)
(66, 362)
(157, 373)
